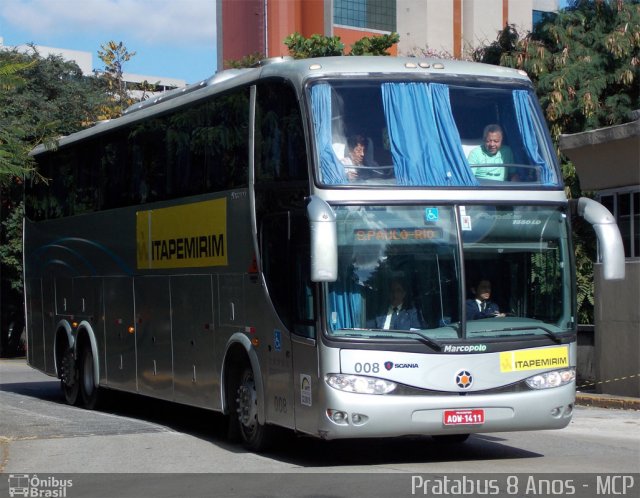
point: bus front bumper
(349, 415)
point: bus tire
(451, 438)
(69, 378)
(254, 435)
(87, 379)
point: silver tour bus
(345, 247)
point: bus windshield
(418, 272)
(398, 133)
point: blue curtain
(524, 113)
(346, 302)
(458, 169)
(331, 168)
(425, 143)
(407, 112)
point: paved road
(39, 433)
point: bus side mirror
(609, 238)
(324, 241)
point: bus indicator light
(253, 266)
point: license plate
(463, 417)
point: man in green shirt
(491, 152)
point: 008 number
(367, 367)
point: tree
(14, 160)
(114, 56)
(584, 62)
(40, 99)
(326, 46)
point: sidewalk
(607, 401)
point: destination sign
(397, 234)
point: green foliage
(11, 247)
(10, 67)
(114, 56)
(374, 45)
(246, 61)
(14, 161)
(314, 46)
(584, 62)
(326, 46)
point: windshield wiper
(423, 338)
(546, 331)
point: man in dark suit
(480, 306)
(399, 314)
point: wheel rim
(69, 374)
(247, 405)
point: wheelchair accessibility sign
(431, 214)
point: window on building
(366, 14)
(625, 206)
(539, 16)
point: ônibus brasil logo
(34, 486)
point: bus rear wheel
(87, 381)
(255, 436)
(69, 377)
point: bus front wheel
(69, 377)
(255, 436)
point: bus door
(285, 263)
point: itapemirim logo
(34, 486)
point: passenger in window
(356, 149)
(481, 306)
(400, 315)
(492, 151)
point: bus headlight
(555, 378)
(359, 384)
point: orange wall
(243, 28)
(285, 17)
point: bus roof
(297, 70)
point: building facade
(453, 27)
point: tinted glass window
(193, 150)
